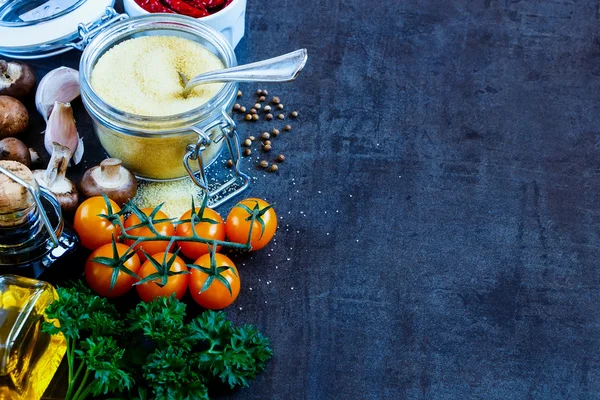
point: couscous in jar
(129, 86)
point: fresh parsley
(152, 353)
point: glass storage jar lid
(42, 28)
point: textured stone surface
(440, 205)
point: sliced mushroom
(54, 179)
(110, 178)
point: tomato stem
(148, 221)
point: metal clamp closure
(194, 152)
(88, 31)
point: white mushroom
(110, 178)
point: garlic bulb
(60, 84)
(61, 129)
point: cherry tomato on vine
(238, 223)
(154, 246)
(211, 227)
(215, 295)
(99, 275)
(93, 230)
(154, 269)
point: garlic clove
(78, 155)
(61, 128)
(60, 84)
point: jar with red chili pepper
(191, 8)
(225, 16)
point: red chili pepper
(184, 8)
(210, 4)
(153, 6)
(197, 4)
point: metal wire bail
(88, 31)
(194, 152)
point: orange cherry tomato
(216, 296)
(175, 284)
(206, 230)
(237, 225)
(154, 246)
(93, 230)
(98, 276)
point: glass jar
(165, 148)
(33, 236)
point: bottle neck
(19, 227)
(23, 235)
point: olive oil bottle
(29, 357)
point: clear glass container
(33, 236)
(155, 148)
(29, 357)
(32, 29)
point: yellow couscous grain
(141, 75)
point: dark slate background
(440, 216)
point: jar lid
(42, 28)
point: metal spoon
(284, 68)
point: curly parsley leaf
(210, 326)
(235, 354)
(102, 356)
(79, 312)
(160, 320)
(171, 377)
